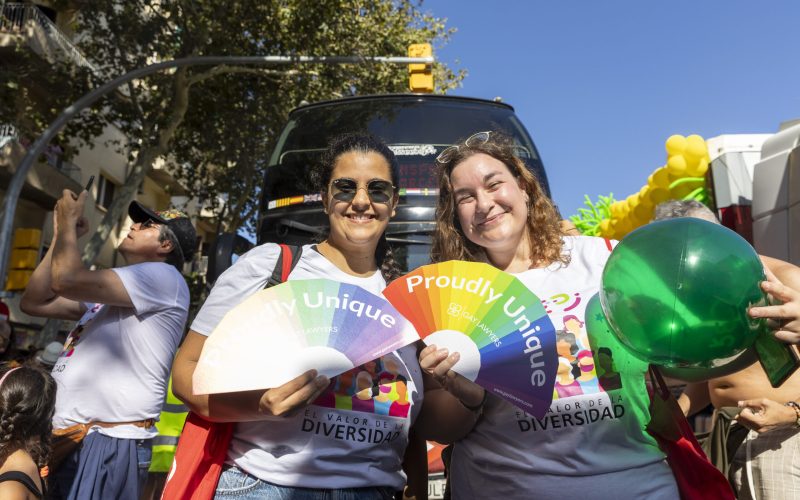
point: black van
(416, 127)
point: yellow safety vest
(170, 425)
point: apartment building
(42, 30)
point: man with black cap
(112, 374)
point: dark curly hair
(27, 404)
(544, 230)
(321, 177)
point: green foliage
(215, 126)
(198, 291)
(587, 221)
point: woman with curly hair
(492, 209)
(27, 403)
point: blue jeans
(103, 467)
(234, 483)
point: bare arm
(12, 490)
(39, 299)
(240, 406)
(69, 278)
(695, 397)
(786, 272)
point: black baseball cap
(178, 222)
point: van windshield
(416, 130)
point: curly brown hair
(544, 230)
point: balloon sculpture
(682, 177)
(676, 293)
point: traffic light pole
(18, 179)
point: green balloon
(676, 293)
(601, 335)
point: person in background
(492, 209)
(766, 434)
(279, 448)
(27, 403)
(8, 344)
(47, 357)
(113, 370)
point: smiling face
(360, 221)
(491, 206)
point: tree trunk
(141, 167)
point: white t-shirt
(116, 361)
(592, 440)
(355, 433)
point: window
(417, 130)
(105, 192)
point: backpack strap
(288, 258)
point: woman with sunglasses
(313, 435)
(592, 441)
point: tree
(216, 125)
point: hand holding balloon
(784, 317)
(676, 293)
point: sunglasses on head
(378, 191)
(473, 140)
(476, 140)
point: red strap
(286, 261)
(608, 244)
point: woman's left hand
(784, 317)
(762, 415)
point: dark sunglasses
(378, 191)
(149, 223)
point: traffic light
(24, 257)
(420, 76)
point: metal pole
(18, 179)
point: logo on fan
(454, 309)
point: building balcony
(26, 24)
(48, 177)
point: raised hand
(69, 212)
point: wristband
(479, 407)
(796, 409)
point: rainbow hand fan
(506, 341)
(281, 332)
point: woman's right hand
(287, 399)
(438, 363)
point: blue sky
(601, 85)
